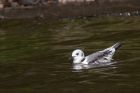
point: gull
(99, 57)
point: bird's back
(102, 56)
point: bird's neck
(83, 59)
(79, 60)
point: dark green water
(34, 55)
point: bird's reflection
(91, 66)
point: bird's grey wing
(97, 55)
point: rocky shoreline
(71, 10)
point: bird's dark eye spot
(77, 54)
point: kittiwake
(103, 56)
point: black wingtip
(117, 45)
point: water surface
(34, 55)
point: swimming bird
(103, 56)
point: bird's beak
(70, 58)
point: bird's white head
(78, 56)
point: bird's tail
(117, 45)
